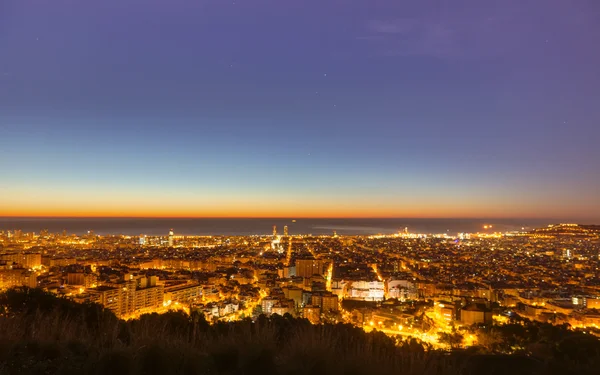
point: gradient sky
(364, 108)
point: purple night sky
(365, 108)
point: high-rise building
(134, 294)
(107, 296)
(171, 238)
(285, 231)
(274, 230)
(186, 293)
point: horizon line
(294, 217)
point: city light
(320, 276)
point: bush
(43, 334)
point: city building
(308, 267)
(186, 293)
(107, 296)
(447, 311)
(16, 277)
(312, 313)
(475, 314)
(85, 280)
(26, 260)
(131, 295)
(326, 301)
(293, 293)
(267, 305)
(171, 235)
(367, 290)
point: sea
(262, 226)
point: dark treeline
(44, 334)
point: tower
(285, 231)
(171, 238)
(274, 230)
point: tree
(453, 339)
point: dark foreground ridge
(43, 334)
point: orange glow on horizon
(261, 214)
(100, 203)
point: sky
(328, 108)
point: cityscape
(405, 284)
(267, 187)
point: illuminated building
(107, 296)
(285, 231)
(593, 303)
(487, 294)
(90, 234)
(312, 313)
(330, 303)
(446, 310)
(171, 238)
(185, 293)
(10, 278)
(585, 302)
(287, 272)
(81, 279)
(293, 293)
(326, 301)
(148, 297)
(276, 244)
(274, 230)
(402, 289)
(130, 296)
(338, 287)
(27, 260)
(228, 307)
(367, 290)
(308, 267)
(475, 314)
(282, 310)
(58, 262)
(267, 305)
(283, 307)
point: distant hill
(568, 230)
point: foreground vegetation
(43, 334)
